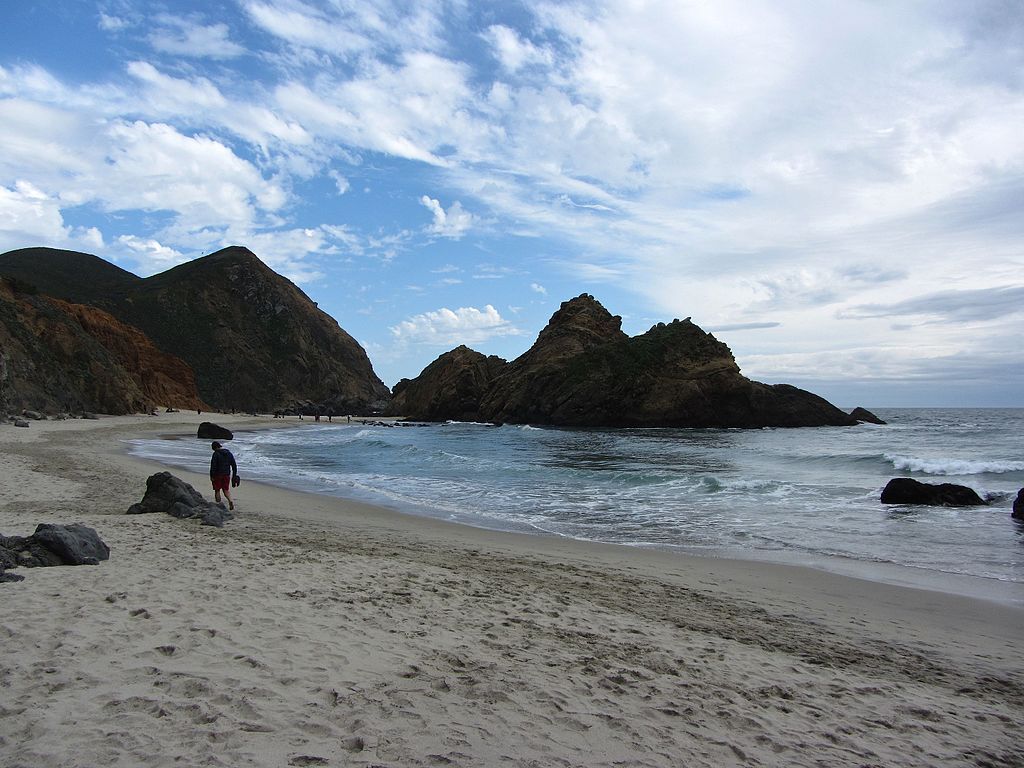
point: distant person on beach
(222, 467)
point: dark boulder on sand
(74, 544)
(9, 577)
(50, 545)
(906, 490)
(210, 431)
(173, 496)
(1018, 506)
(863, 414)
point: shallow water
(791, 495)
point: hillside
(80, 278)
(254, 340)
(48, 362)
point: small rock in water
(863, 414)
(907, 490)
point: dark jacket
(222, 463)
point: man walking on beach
(222, 467)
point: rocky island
(584, 371)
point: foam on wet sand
(316, 631)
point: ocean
(806, 496)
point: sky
(834, 189)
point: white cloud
(350, 29)
(110, 23)
(29, 216)
(171, 95)
(302, 25)
(150, 255)
(512, 51)
(446, 327)
(340, 182)
(188, 37)
(538, 288)
(153, 167)
(453, 223)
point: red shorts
(221, 482)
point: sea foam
(948, 466)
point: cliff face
(584, 371)
(49, 362)
(449, 389)
(253, 339)
(164, 380)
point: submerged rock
(906, 490)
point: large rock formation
(50, 362)
(450, 388)
(254, 340)
(584, 371)
(164, 379)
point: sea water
(807, 496)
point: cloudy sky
(835, 189)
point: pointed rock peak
(582, 305)
(584, 315)
(233, 253)
(578, 325)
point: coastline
(313, 630)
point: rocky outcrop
(906, 490)
(172, 496)
(51, 363)
(210, 431)
(584, 370)
(1018, 506)
(164, 379)
(255, 341)
(450, 388)
(863, 414)
(74, 544)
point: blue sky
(836, 190)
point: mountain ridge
(254, 340)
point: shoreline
(314, 630)
(881, 572)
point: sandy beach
(316, 631)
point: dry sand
(314, 631)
